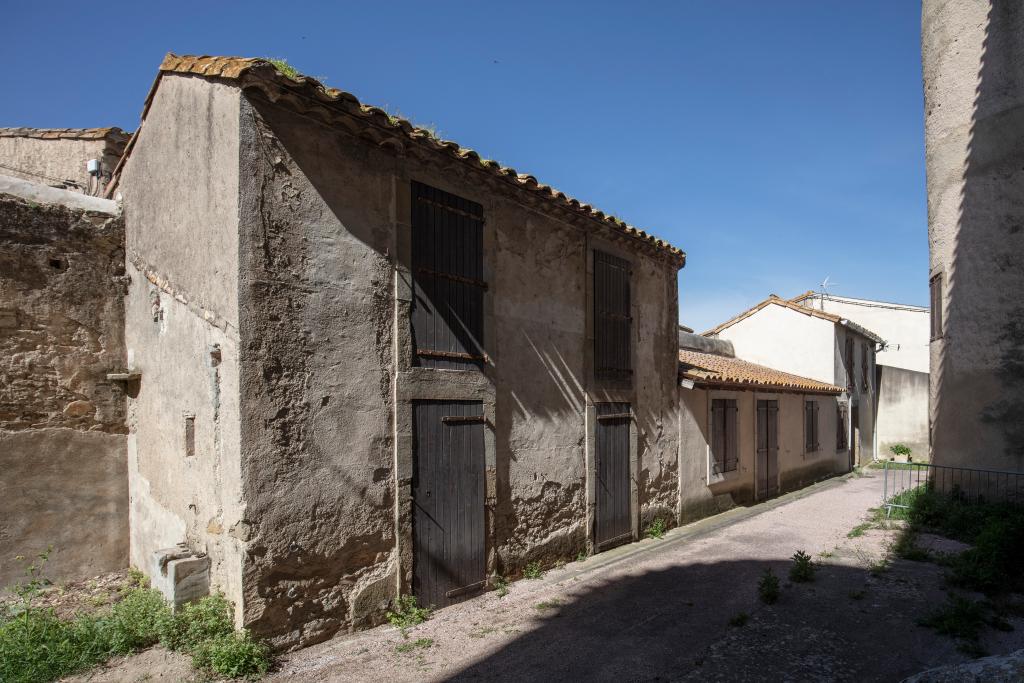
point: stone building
(62, 420)
(901, 365)
(371, 362)
(749, 432)
(822, 346)
(973, 62)
(60, 157)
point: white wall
(786, 340)
(904, 328)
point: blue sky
(776, 142)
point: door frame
(778, 422)
(591, 466)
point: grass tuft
(803, 568)
(407, 613)
(768, 587)
(533, 571)
(656, 529)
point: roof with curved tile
(247, 70)
(712, 370)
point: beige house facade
(901, 365)
(822, 346)
(749, 432)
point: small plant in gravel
(407, 613)
(856, 595)
(235, 655)
(418, 644)
(656, 529)
(501, 586)
(803, 568)
(958, 618)
(739, 620)
(581, 556)
(548, 604)
(533, 571)
(879, 567)
(768, 588)
(858, 530)
(906, 547)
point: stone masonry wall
(62, 423)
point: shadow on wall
(658, 625)
(978, 414)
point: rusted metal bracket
(465, 589)
(462, 419)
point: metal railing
(962, 483)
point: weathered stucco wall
(324, 366)
(903, 411)
(180, 190)
(973, 57)
(58, 157)
(62, 423)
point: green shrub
(900, 449)
(134, 622)
(235, 655)
(205, 619)
(739, 620)
(407, 613)
(533, 571)
(768, 587)
(803, 568)
(656, 529)
(959, 618)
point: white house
(826, 347)
(901, 366)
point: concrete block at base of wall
(180, 575)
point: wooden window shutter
(864, 363)
(814, 422)
(448, 284)
(850, 378)
(718, 434)
(935, 305)
(613, 358)
(731, 436)
(840, 428)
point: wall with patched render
(180, 193)
(325, 376)
(973, 57)
(62, 423)
(58, 157)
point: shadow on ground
(673, 624)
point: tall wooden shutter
(935, 305)
(612, 321)
(864, 363)
(447, 262)
(850, 377)
(724, 435)
(718, 434)
(841, 428)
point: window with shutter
(935, 304)
(865, 366)
(612, 319)
(448, 285)
(841, 428)
(811, 442)
(850, 377)
(724, 435)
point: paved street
(659, 610)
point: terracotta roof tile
(249, 71)
(115, 134)
(711, 370)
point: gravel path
(660, 610)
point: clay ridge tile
(237, 68)
(114, 134)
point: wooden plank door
(767, 467)
(448, 501)
(613, 514)
(854, 436)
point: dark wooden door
(611, 452)
(767, 467)
(854, 436)
(448, 501)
